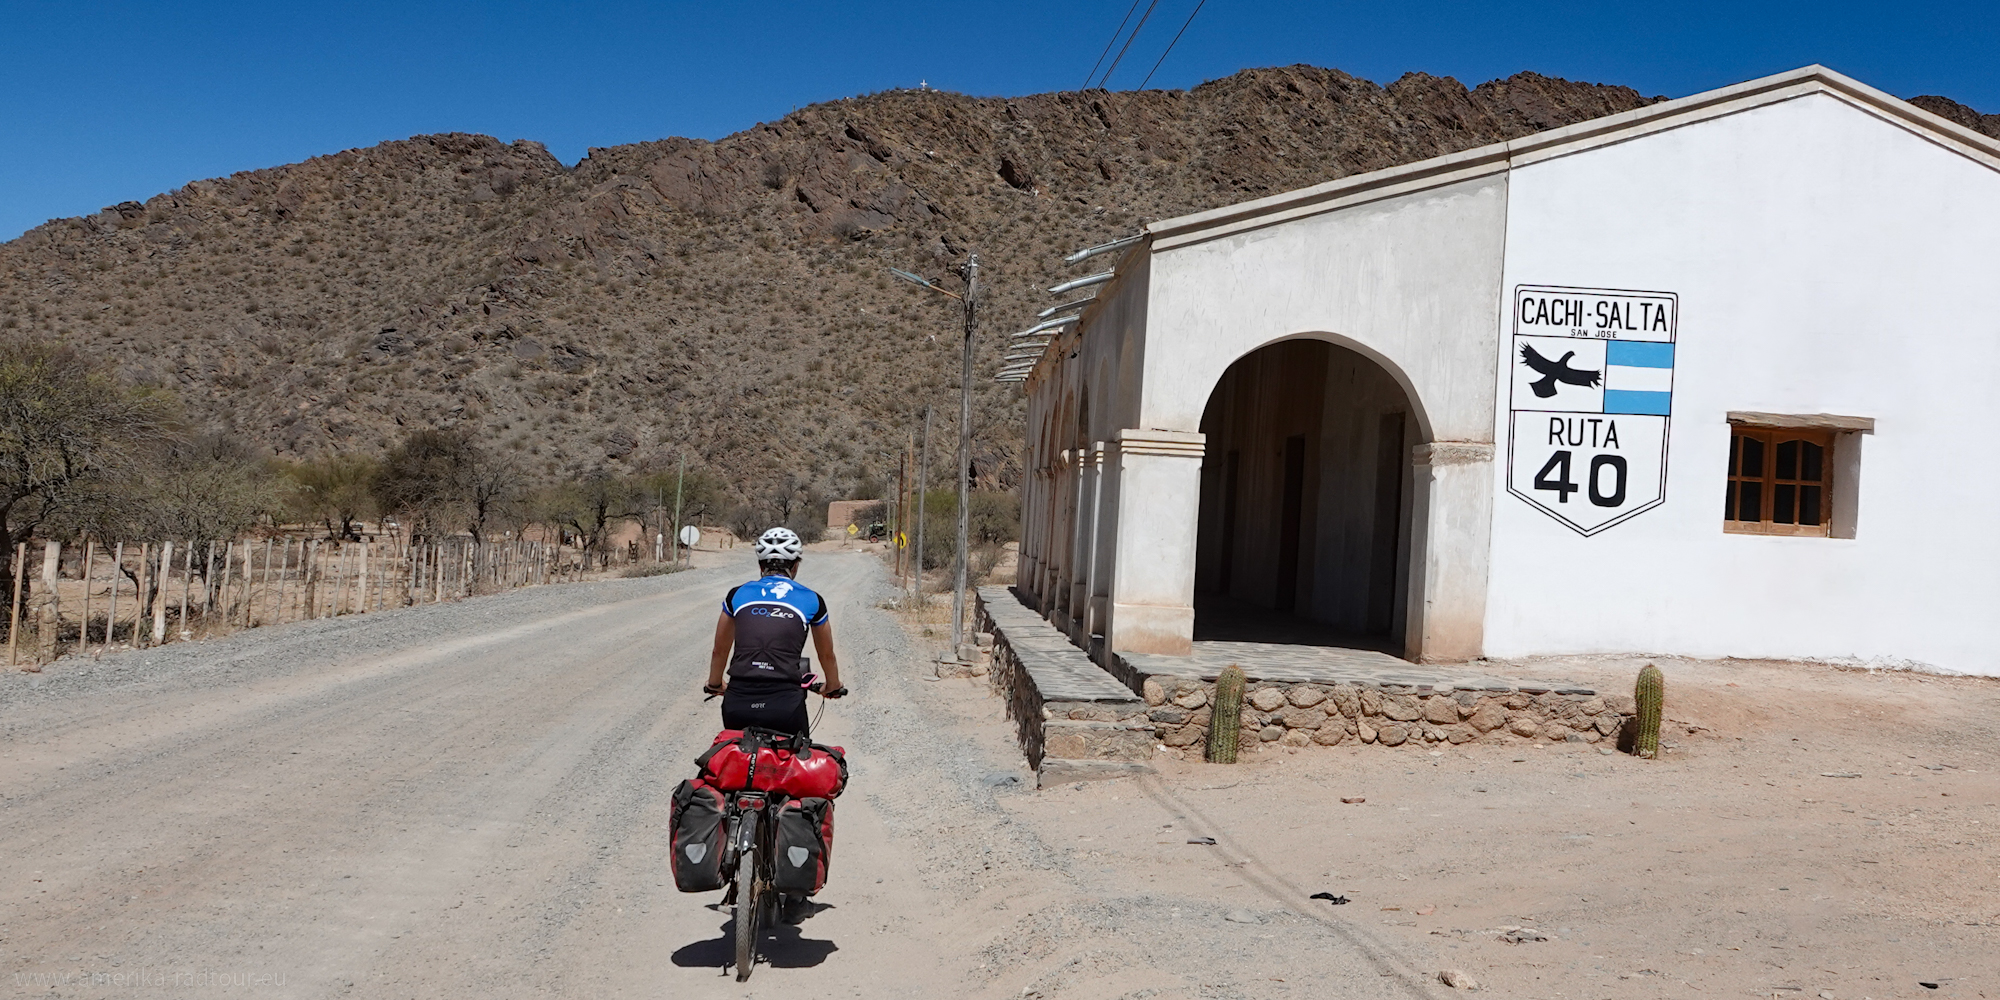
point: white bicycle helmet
(779, 545)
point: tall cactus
(1650, 693)
(1225, 716)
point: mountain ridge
(723, 299)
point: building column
(1061, 539)
(1451, 525)
(1038, 486)
(1026, 561)
(1092, 621)
(1087, 470)
(1158, 497)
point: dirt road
(469, 800)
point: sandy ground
(1731, 866)
(469, 800)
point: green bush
(993, 519)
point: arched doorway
(1304, 528)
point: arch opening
(1303, 534)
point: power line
(1170, 45)
(1107, 45)
(1129, 39)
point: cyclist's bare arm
(718, 659)
(823, 645)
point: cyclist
(765, 622)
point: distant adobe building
(1704, 378)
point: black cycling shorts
(781, 707)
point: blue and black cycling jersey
(774, 615)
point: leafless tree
(71, 435)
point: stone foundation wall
(1321, 714)
(1063, 707)
(1009, 679)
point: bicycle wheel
(749, 913)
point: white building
(1696, 379)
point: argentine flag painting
(1592, 394)
(1638, 377)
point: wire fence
(96, 596)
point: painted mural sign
(1592, 393)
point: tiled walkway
(1064, 673)
(1265, 661)
(1060, 671)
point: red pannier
(804, 845)
(695, 831)
(813, 771)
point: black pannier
(803, 845)
(695, 825)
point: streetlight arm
(922, 281)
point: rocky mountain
(726, 300)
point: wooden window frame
(1769, 482)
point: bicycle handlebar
(714, 691)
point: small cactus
(1225, 717)
(1650, 693)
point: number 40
(1555, 476)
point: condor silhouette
(1556, 371)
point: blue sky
(101, 102)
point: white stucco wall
(1411, 280)
(1826, 261)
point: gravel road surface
(470, 800)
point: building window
(1780, 481)
(1794, 474)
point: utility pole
(958, 646)
(969, 303)
(909, 502)
(923, 483)
(678, 483)
(898, 514)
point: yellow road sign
(852, 530)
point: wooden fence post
(208, 593)
(50, 618)
(14, 620)
(89, 556)
(264, 591)
(249, 579)
(187, 584)
(111, 616)
(139, 599)
(222, 588)
(284, 574)
(312, 570)
(339, 579)
(364, 578)
(160, 604)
